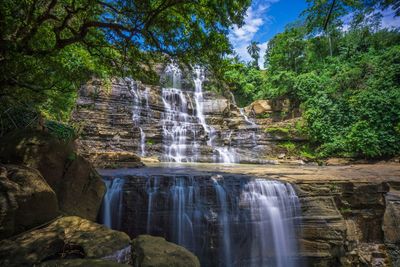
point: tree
(254, 51)
(48, 48)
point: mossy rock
(151, 251)
(81, 263)
(65, 238)
(78, 186)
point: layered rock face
(172, 124)
(344, 224)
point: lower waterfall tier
(226, 220)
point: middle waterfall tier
(226, 220)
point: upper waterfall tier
(179, 122)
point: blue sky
(266, 18)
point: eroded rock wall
(349, 224)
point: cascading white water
(199, 99)
(256, 225)
(225, 232)
(176, 125)
(225, 154)
(151, 190)
(273, 206)
(140, 101)
(246, 118)
(112, 203)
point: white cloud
(389, 20)
(255, 18)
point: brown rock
(64, 238)
(81, 263)
(26, 200)
(72, 177)
(260, 107)
(151, 251)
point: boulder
(260, 107)
(72, 177)
(26, 200)
(67, 237)
(81, 263)
(151, 251)
(215, 106)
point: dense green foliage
(49, 48)
(347, 83)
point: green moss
(61, 130)
(264, 116)
(345, 210)
(277, 130)
(150, 142)
(290, 148)
(71, 157)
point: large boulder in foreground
(26, 200)
(151, 251)
(65, 238)
(78, 186)
(81, 263)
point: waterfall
(140, 102)
(152, 187)
(225, 233)
(198, 97)
(255, 222)
(273, 208)
(112, 203)
(181, 222)
(142, 142)
(251, 122)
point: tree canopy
(51, 47)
